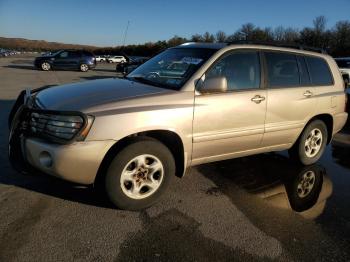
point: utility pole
(125, 33)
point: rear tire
(311, 144)
(139, 174)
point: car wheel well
(168, 138)
(328, 120)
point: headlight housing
(60, 126)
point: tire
(45, 66)
(131, 183)
(309, 152)
(84, 67)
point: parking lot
(239, 209)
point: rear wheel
(139, 174)
(311, 144)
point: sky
(103, 22)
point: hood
(91, 94)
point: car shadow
(95, 77)
(104, 70)
(27, 67)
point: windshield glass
(171, 68)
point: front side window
(63, 54)
(73, 54)
(282, 69)
(241, 70)
(319, 71)
(171, 68)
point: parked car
(131, 64)
(131, 136)
(116, 59)
(66, 59)
(100, 59)
(344, 66)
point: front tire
(311, 144)
(139, 174)
(84, 68)
(45, 66)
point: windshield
(171, 68)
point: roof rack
(279, 44)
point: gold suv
(192, 104)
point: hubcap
(84, 68)
(45, 66)
(313, 142)
(306, 184)
(142, 176)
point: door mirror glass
(214, 85)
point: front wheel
(84, 67)
(139, 174)
(45, 66)
(311, 144)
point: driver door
(230, 122)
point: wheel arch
(327, 119)
(169, 138)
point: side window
(73, 54)
(282, 69)
(319, 71)
(303, 72)
(63, 54)
(241, 70)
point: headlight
(60, 127)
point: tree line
(335, 40)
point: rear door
(291, 99)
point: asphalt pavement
(243, 209)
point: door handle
(257, 99)
(308, 93)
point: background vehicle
(130, 65)
(344, 66)
(67, 59)
(116, 59)
(100, 59)
(189, 105)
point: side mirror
(214, 85)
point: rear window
(319, 71)
(282, 69)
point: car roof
(265, 46)
(203, 45)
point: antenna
(125, 33)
